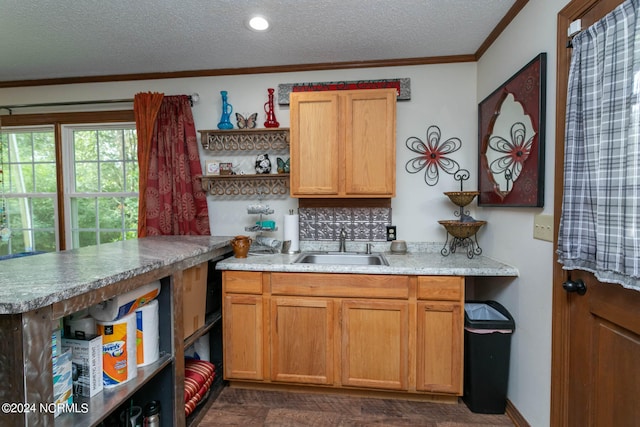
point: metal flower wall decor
(433, 155)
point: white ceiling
(45, 39)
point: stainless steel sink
(341, 258)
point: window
(100, 186)
(29, 186)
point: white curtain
(600, 221)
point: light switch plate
(543, 227)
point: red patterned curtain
(175, 203)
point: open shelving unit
(162, 380)
(153, 382)
(213, 327)
(245, 141)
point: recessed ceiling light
(258, 23)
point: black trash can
(488, 327)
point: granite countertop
(420, 259)
(32, 282)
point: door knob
(575, 286)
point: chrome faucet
(343, 238)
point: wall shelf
(245, 139)
(239, 141)
(247, 185)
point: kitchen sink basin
(341, 258)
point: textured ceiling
(44, 39)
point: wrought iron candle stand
(464, 230)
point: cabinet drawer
(242, 282)
(441, 288)
(340, 285)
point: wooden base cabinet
(302, 340)
(243, 337)
(439, 339)
(375, 344)
(374, 332)
(242, 320)
(439, 348)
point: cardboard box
(194, 297)
(62, 379)
(56, 339)
(87, 364)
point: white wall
(442, 95)
(528, 298)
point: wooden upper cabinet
(314, 143)
(343, 143)
(370, 143)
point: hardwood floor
(244, 407)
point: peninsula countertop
(422, 259)
(32, 282)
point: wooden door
(370, 143)
(604, 353)
(375, 337)
(315, 134)
(439, 352)
(596, 336)
(243, 337)
(302, 345)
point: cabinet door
(243, 337)
(439, 353)
(370, 143)
(302, 343)
(375, 337)
(315, 136)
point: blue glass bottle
(227, 109)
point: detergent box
(87, 364)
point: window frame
(71, 193)
(58, 120)
(31, 196)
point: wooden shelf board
(105, 402)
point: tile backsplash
(361, 224)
